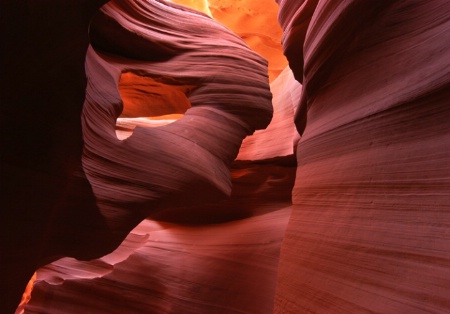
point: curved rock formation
(280, 137)
(198, 247)
(48, 195)
(220, 258)
(214, 258)
(185, 162)
(255, 21)
(369, 226)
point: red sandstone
(191, 185)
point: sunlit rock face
(369, 228)
(255, 21)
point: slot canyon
(225, 156)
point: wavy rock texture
(182, 260)
(47, 194)
(369, 224)
(255, 21)
(185, 162)
(184, 263)
(369, 230)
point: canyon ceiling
(225, 156)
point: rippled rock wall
(340, 204)
(369, 227)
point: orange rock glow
(148, 102)
(26, 296)
(147, 97)
(255, 21)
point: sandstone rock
(368, 230)
(280, 137)
(187, 161)
(182, 260)
(52, 209)
(369, 225)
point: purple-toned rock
(369, 228)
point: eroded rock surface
(255, 21)
(187, 161)
(369, 225)
(183, 260)
(369, 228)
(53, 208)
(220, 258)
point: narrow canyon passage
(225, 156)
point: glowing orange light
(148, 102)
(26, 296)
(255, 21)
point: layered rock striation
(369, 226)
(217, 258)
(202, 256)
(173, 214)
(86, 208)
(187, 161)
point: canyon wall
(160, 200)
(193, 254)
(173, 172)
(369, 229)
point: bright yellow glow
(199, 5)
